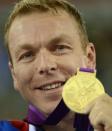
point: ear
(13, 75)
(91, 56)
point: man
(47, 42)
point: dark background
(98, 17)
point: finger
(89, 107)
(104, 98)
(96, 118)
(99, 130)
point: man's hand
(100, 113)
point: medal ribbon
(35, 117)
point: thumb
(99, 129)
(88, 108)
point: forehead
(43, 26)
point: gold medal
(81, 89)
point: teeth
(52, 86)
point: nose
(46, 63)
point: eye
(62, 49)
(27, 56)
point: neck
(64, 125)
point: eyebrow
(25, 46)
(60, 38)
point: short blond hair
(28, 6)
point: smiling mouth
(51, 86)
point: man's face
(46, 50)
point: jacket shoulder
(7, 126)
(17, 125)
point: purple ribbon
(87, 70)
(37, 118)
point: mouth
(51, 86)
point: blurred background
(98, 17)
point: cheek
(23, 78)
(23, 75)
(71, 63)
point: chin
(50, 108)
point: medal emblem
(81, 89)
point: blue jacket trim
(6, 126)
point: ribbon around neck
(35, 117)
